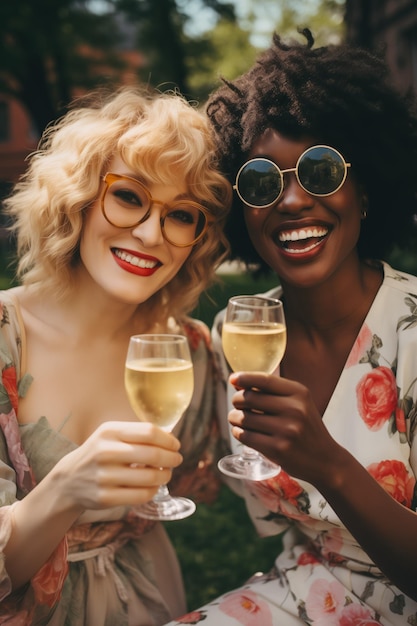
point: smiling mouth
(135, 260)
(302, 240)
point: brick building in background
(18, 137)
(17, 140)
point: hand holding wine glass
(159, 384)
(254, 339)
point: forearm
(386, 530)
(120, 464)
(40, 522)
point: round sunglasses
(320, 170)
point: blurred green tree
(325, 18)
(51, 50)
(225, 50)
(47, 52)
(171, 57)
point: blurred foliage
(225, 51)
(231, 284)
(53, 50)
(48, 50)
(325, 19)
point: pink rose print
(195, 334)
(357, 615)
(48, 582)
(332, 544)
(400, 420)
(307, 558)
(247, 608)
(362, 345)
(24, 474)
(325, 602)
(192, 618)
(394, 478)
(282, 494)
(10, 384)
(9, 616)
(377, 397)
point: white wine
(159, 390)
(250, 346)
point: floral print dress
(112, 568)
(323, 577)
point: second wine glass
(159, 383)
(254, 338)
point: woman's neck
(343, 300)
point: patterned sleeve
(198, 430)
(16, 480)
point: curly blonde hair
(158, 134)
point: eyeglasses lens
(321, 170)
(259, 182)
(127, 203)
(183, 224)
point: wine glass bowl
(254, 339)
(159, 384)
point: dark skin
(328, 292)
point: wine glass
(159, 383)
(254, 338)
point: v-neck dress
(112, 568)
(323, 577)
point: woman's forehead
(173, 179)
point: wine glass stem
(249, 454)
(162, 494)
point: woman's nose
(150, 231)
(293, 198)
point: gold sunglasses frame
(292, 169)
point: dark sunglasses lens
(321, 170)
(259, 183)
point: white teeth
(297, 235)
(302, 250)
(134, 260)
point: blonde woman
(74, 460)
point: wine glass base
(236, 466)
(167, 510)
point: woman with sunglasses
(322, 153)
(119, 228)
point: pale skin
(322, 326)
(76, 351)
